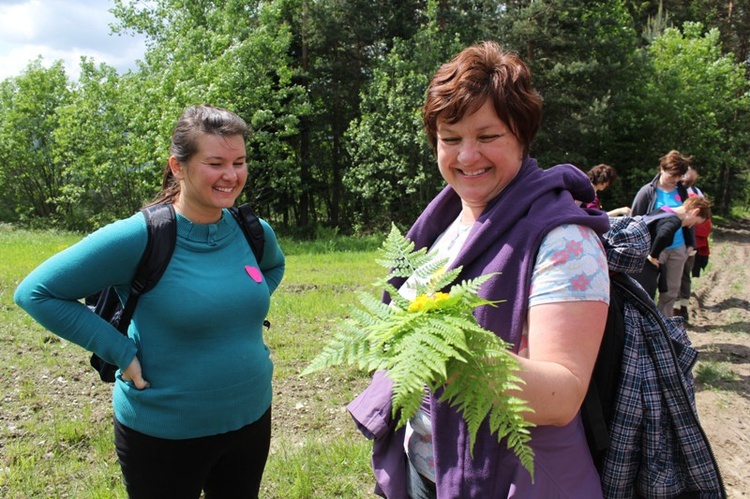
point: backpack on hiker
(161, 224)
(639, 413)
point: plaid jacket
(657, 447)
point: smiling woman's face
(213, 177)
(478, 156)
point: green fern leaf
(374, 306)
(433, 342)
(450, 334)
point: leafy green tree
(231, 54)
(581, 55)
(396, 174)
(700, 99)
(333, 89)
(92, 138)
(470, 21)
(335, 44)
(730, 17)
(30, 179)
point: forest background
(333, 89)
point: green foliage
(434, 341)
(692, 98)
(705, 94)
(581, 55)
(714, 373)
(334, 47)
(333, 91)
(29, 176)
(94, 137)
(394, 161)
(231, 54)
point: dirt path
(719, 328)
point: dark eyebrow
(483, 129)
(209, 158)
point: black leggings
(229, 465)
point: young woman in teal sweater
(192, 397)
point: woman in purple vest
(501, 213)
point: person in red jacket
(702, 232)
(689, 270)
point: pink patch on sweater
(254, 273)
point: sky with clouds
(62, 30)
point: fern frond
(411, 369)
(374, 306)
(476, 398)
(396, 299)
(452, 335)
(441, 280)
(398, 254)
(431, 268)
(471, 287)
(467, 324)
(436, 350)
(347, 346)
(434, 342)
(508, 423)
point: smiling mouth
(226, 190)
(474, 173)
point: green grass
(714, 373)
(319, 469)
(56, 417)
(741, 212)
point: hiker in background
(481, 115)
(666, 189)
(703, 251)
(601, 177)
(192, 398)
(662, 225)
(689, 180)
(683, 300)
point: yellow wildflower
(427, 301)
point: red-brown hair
(675, 163)
(480, 72)
(703, 205)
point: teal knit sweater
(198, 333)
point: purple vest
(505, 239)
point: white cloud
(62, 30)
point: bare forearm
(552, 391)
(563, 342)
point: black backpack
(596, 411)
(162, 236)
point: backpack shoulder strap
(161, 228)
(635, 294)
(251, 227)
(596, 409)
(162, 237)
